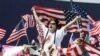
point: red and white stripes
(2, 33)
(29, 20)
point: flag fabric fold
(2, 33)
(84, 19)
(60, 14)
(12, 50)
(18, 32)
(29, 20)
(82, 24)
(95, 30)
(75, 50)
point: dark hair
(55, 20)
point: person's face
(52, 26)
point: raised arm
(71, 22)
(38, 22)
(35, 15)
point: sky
(84, 1)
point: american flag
(63, 16)
(75, 50)
(2, 33)
(29, 20)
(60, 14)
(95, 30)
(82, 23)
(71, 51)
(84, 20)
(76, 8)
(47, 13)
(40, 34)
(50, 13)
(70, 15)
(18, 32)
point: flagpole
(26, 35)
(17, 41)
(17, 27)
(71, 2)
(70, 40)
(28, 39)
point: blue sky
(84, 1)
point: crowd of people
(52, 38)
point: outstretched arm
(71, 22)
(35, 15)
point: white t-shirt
(50, 36)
